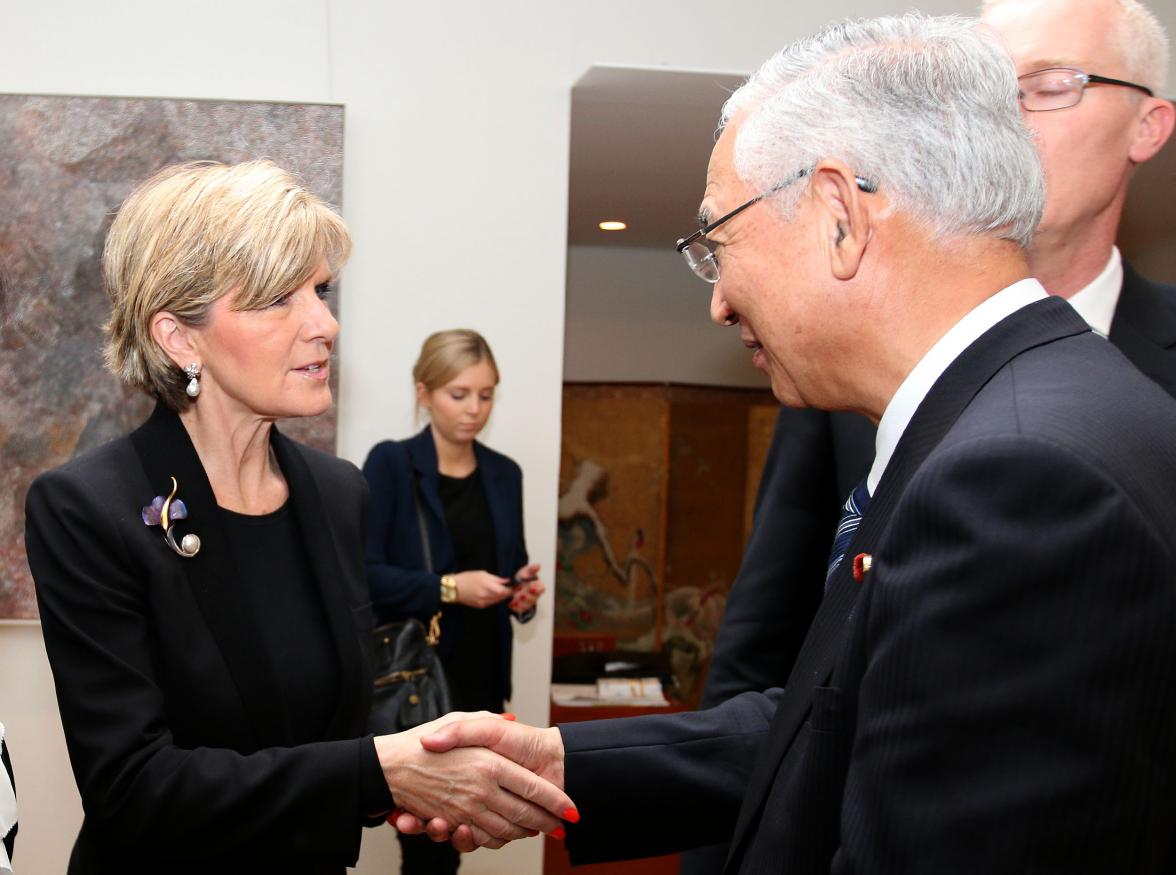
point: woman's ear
(175, 338)
(422, 396)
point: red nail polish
(571, 815)
(509, 716)
(558, 833)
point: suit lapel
(329, 564)
(1038, 323)
(166, 451)
(1144, 327)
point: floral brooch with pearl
(164, 512)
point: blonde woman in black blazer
(201, 581)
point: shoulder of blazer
(1147, 307)
(331, 473)
(108, 462)
(421, 451)
(107, 482)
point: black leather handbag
(410, 683)
(410, 687)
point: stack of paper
(637, 692)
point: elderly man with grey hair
(984, 686)
(1091, 71)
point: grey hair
(924, 107)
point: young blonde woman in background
(471, 503)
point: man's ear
(175, 338)
(844, 217)
(1155, 127)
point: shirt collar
(931, 366)
(1096, 301)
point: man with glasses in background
(1090, 73)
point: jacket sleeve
(519, 558)
(399, 585)
(1017, 653)
(139, 787)
(662, 783)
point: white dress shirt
(1096, 302)
(937, 359)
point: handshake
(476, 780)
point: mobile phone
(519, 581)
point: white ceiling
(640, 142)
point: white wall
(455, 188)
(646, 302)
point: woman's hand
(481, 589)
(499, 799)
(539, 750)
(526, 594)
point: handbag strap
(420, 513)
(434, 633)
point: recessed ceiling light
(613, 226)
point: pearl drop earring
(192, 372)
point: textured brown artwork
(656, 486)
(612, 482)
(66, 165)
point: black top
(471, 666)
(286, 610)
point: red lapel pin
(861, 566)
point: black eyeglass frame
(866, 185)
(1086, 79)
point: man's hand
(456, 780)
(539, 750)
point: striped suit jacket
(991, 697)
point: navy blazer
(394, 556)
(814, 461)
(993, 697)
(177, 735)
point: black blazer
(992, 698)
(815, 460)
(177, 738)
(394, 555)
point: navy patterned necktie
(851, 518)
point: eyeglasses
(696, 249)
(1062, 87)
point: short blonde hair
(445, 354)
(195, 232)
